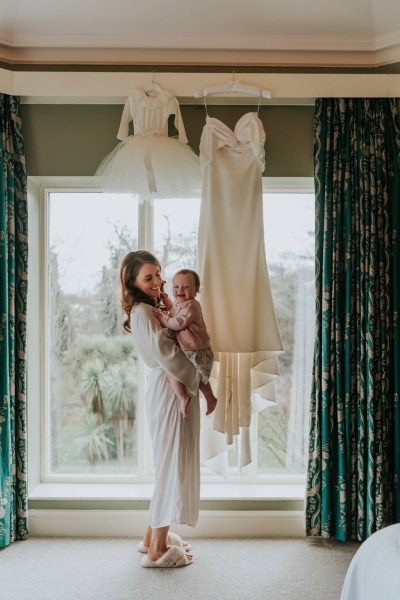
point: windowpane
(175, 234)
(289, 243)
(92, 364)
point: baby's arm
(182, 320)
(161, 316)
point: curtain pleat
(13, 308)
(353, 470)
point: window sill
(98, 509)
(125, 497)
(143, 492)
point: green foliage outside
(93, 374)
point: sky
(82, 224)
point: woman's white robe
(175, 440)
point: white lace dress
(236, 298)
(149, 163)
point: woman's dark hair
(131, 295)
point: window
(289, 244)
(91, 365)
(93, 381)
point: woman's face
(148, 280)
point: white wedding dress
(149, 163)
(236, 297)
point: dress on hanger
(149, 163)
(236, 298)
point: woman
(175, 441)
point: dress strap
(259, 102)
(205, 105)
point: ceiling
(251, 32)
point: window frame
(39, 189)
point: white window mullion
(145, 241)
(44, 311)
(146, 226)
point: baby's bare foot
(184, 402)
(211, 404)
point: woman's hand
(162, 317)
(166, 300)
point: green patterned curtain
(353, 486)
(13, 304)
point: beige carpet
(109, 569)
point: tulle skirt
(152, 167)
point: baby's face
(183, 287)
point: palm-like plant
(110, 350)
(94, 384)
(126, 346)
(121, 401)
(93, 442)
(82, 351)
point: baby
(186, 319)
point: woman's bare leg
(181, 392)
(147, 537)
(211, 400)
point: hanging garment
(149, 163)
(236, 296)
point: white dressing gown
(149, 163)
(175, 440)
(374, 572)
(236, 297)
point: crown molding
(309, 43)
(389, 40)
(6, 38)
(195, 50)
(188, 57)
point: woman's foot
(173, 539)
(173, 557)
(156, 553)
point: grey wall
(73, 139)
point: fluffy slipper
(174, 557)
(173, 539)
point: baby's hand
(162, 317)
